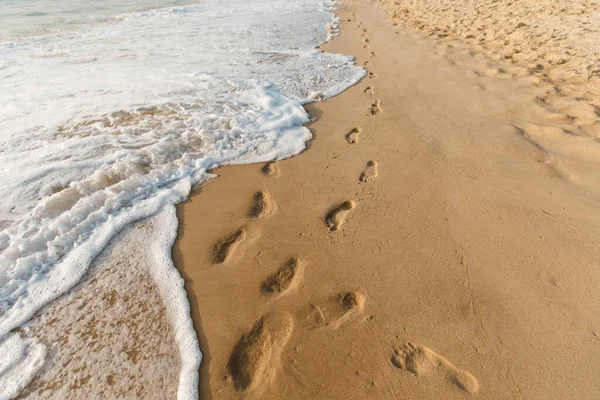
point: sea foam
(109, 119)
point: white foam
(21, 359)
(109, 120)
(171, 287)
(112, 335)
(124, 330)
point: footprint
(352, 136)
(371, 75)
(336, 217)
(224, 249)
(337, 310)
(284, 278)
(262, 204)
(376, 107)
(370, 172)
(370, 90)
(271, 169)
(421, 360)
(257, 353)
(366, 40)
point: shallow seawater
(111, 335)
(111, 111)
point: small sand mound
(353, 300)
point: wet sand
(438, 238)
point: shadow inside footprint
(226, 246)
(284, 278)
(271, 169)
(369, 173)
(261, 205)
(258, 352)
(352, 136)
(376, 107)
(336, 217)
(421, 360)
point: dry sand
(557, 32)
(438, 239)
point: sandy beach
(438, 238)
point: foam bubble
(124, 330)
(21, 359)
(171, 287)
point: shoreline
(462, 230)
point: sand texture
(439, 237)
(558, 32)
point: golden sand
(438, 238)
